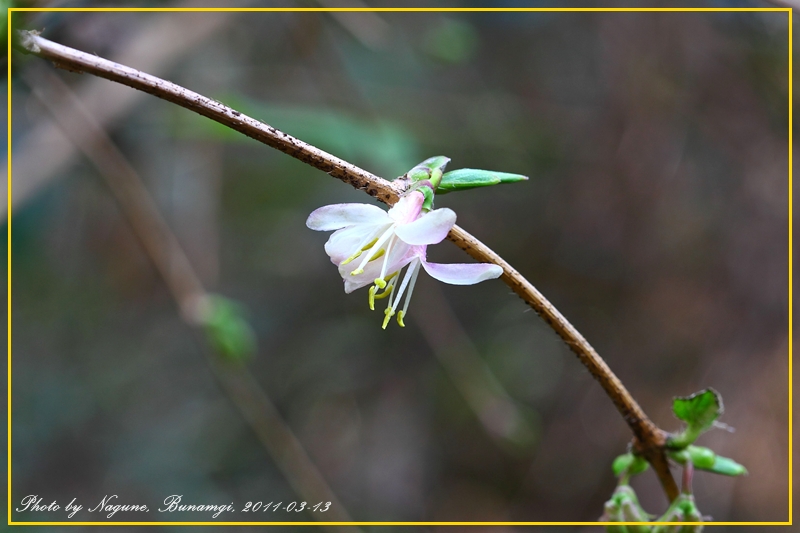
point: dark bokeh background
(655, 219)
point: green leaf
(699, 411)
(435, 162)
(227, 329)
(632, 464)
(726, 467)
(470, 178)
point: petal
(407, 209)
(399, 256)
(462, 273)
(345, 242)
(430, 228)
(337, 216)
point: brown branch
(163, 249)
(649, 439)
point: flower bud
(624, 507)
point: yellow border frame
(315, 523)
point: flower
(372, 246)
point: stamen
(413, 282)
(388, 248)
(381, 283)
(352, 257)
(409, 274)
(375, 246)
(362, 247)
(372, 297)
(369, 245)
(379, 254)
(389, 313)
(400, 319)
(385, 293)
(392, 294)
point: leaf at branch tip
(427, 169)
(435, 162)
(699, 411)
(470, 178)
(629, 463)
(228, 330)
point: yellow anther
(372, 297)
(380, 282)
(357, 271)
(389, 313)
(351, 258)
(369, 245)
(385, 293)
(390, 276)
(377, 255)
(400, 319)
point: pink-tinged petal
(337, 216)
(462, 273)
(345, 242)
(408, 208)
(430, 228)
(399, 256)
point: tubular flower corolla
(371, 247)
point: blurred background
(655, 219)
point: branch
(110, 103)
(649, 439)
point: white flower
(371, 246)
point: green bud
(470, 178)
(624, 507)
(726, 467)
(679, 456)
(227, 329)
(683, 509)
(701, 457)
(705, 459)
(630, 463)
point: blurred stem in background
(109, 103)
(496, 411)
(194, 302)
